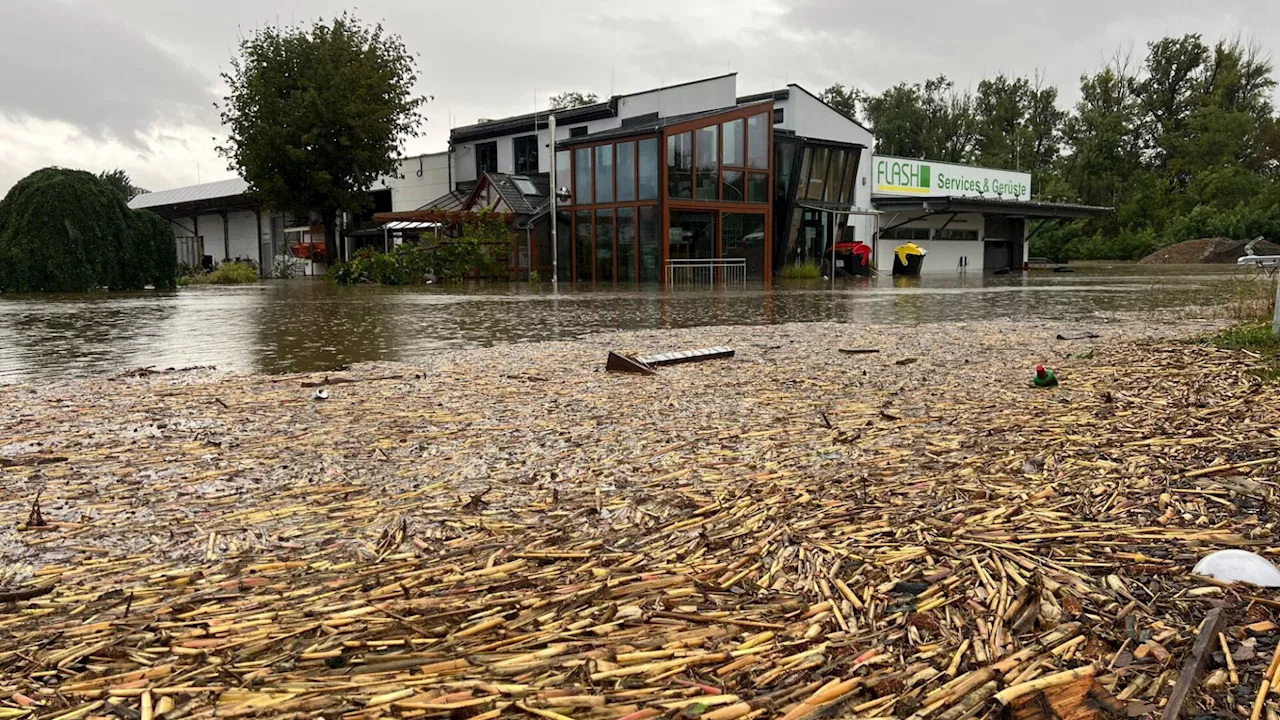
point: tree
(923, 121)
(573, 99)
(316, 115)
(1018, 124)
(846, 101)
(69, 231)
(119, 181)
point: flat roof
(990, 206)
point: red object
(1040, 373)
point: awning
(990, 206)
(394, 226)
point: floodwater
(309, 325)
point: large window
(564, 247)
(582, 246)
(818, 179)
(680, 166)
(604, 173)
(650, 248)
(563, 171)
(486, 158)
(582, 176)
(734, 142)
(649, 169)
(743, 237)
(758, 141)
(784, 156)
(525, 149)
(708, 165)
(626, 244)
(604, 246)
(693, 235)
(735, 186)
(626, 171)
(848, 185)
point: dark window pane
(734, 142)
(582, 176)
(564, 247)
(693, 235)
(579, 131)
(784, 158)
(680, 165)
(649, 169)
(486, 158)
(743, 237)
(525, 150)
(758, 141)
(604, 173)
(758, 187)
(626, 245)
(802, 174)
(650, 248)
(734, 186)
(708, 165)
(779, 116)
(626, 171)
(818, 175)
(847, 191)
(835, 175)
(563, 179)
(604, 246)
(582, 246)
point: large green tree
(929, 120)
(572, 99)
(120, 181)
(316, 114)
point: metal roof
(1027, 208)
(193, 193)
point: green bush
(807, 270)
(229, 273)
(68, 231)
(483, 247)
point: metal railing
(707, 271)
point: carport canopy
(1033, 209)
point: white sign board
(926, 178)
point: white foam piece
(1239, 566)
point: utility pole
(555, 215)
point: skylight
(524, 185)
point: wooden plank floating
(687, 356)
(623, 364)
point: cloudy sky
(99, 84)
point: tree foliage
(1183, 143)
(120, 182)
(70, 231)
(316, 114)
(572, 99)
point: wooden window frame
(615, 205)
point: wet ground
(308, 325)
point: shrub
(807, 270)
(229, 273)
(68, 231)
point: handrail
(706, 271)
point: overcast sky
(100, 84)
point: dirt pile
(1207, 251)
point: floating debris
(769, 538)
(1239, 566)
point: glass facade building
(679, 188)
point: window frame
(490, 145)
(516, 143)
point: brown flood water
(310, 325)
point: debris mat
(778, 537)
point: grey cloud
(68, 62)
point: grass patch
(807, 270)
(226, 274)
(1256, 339)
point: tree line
(1183, 143)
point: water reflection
(307, 324)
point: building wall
(809, 117)
(242, 235)
(710, 94)
(411, 191)
(943, 256)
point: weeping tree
(70, 231)
(317, 114)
